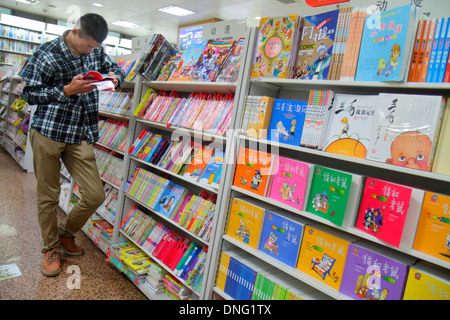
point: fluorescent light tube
(176, 11)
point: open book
(104, 83)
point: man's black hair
(95, 26)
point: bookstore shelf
(183, 86)
(298, 90)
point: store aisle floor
(20, 243)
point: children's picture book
(213, 171)
(383, 209)
(405, 130)
(188, 62)
(374, 273)
(259, 121)
(329, 193)
(317, 35)
(170, 199)
(245, 221)
(168, 68)
(281, 237)
(386, 44)
(316, 119)
(426, 282)
(433, 229)
(291, 181)
(254, 171)
(230, 69)
(198, 163)
(275, 47)
(323, 254)
(349, 129)
(209, 64)
(286, 121)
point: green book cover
(329, 194)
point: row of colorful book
(192, 212)
(387, 127)
(181, 255)
(210, 60)
(116, 102)
(186, 158)
(430, 57)
(243, 278)
(207, 112)
(99, 231)
(109, 165)
(113, 133)
(356, 269)
(128, 67)
(325, 46)
(395, 214)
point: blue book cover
(286, 121)
(386, 45)
(439, 50)
(281, 238)
(213, 170)
(170, 200)
(445, 53)
(434, 49)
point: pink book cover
(289, 182)
(382, 210)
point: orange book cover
(433, 229)
(323, 254)
(421, 56)
(199, 162)
(253, 171)
(349, 45)
(422, 76)
(416, 50)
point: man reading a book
(65, 127)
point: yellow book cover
(440, 163)
(323, 254)
(222, 272)
(258, 129)
(427, 283)
(433, 229)
(245, 222)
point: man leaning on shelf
(65, 126)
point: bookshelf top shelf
(338, 85)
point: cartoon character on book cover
(273, 51)
(230, 69)
(351, 117)
(383, 209)
(405, 130)
(316, 44)
(385, 45)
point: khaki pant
(80, 161)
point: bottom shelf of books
(296, 230)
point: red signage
(318, 3)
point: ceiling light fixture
(28, 1)
(125, 24)
(97, 4)
(177, 11)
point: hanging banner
(318, 3)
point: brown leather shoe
(69, 246)
(51, 265)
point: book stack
(148, 146)
(430, 57)
(243, 278)
(154, 279)
(145, 186)
(205, 112)
(109, 165)
(113, 133)
(230, 68)
(137, 225)
(167, 70)
(175, 288)
(116, 102)
(159, 51)
(108, 208)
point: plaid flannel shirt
(61, 118)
